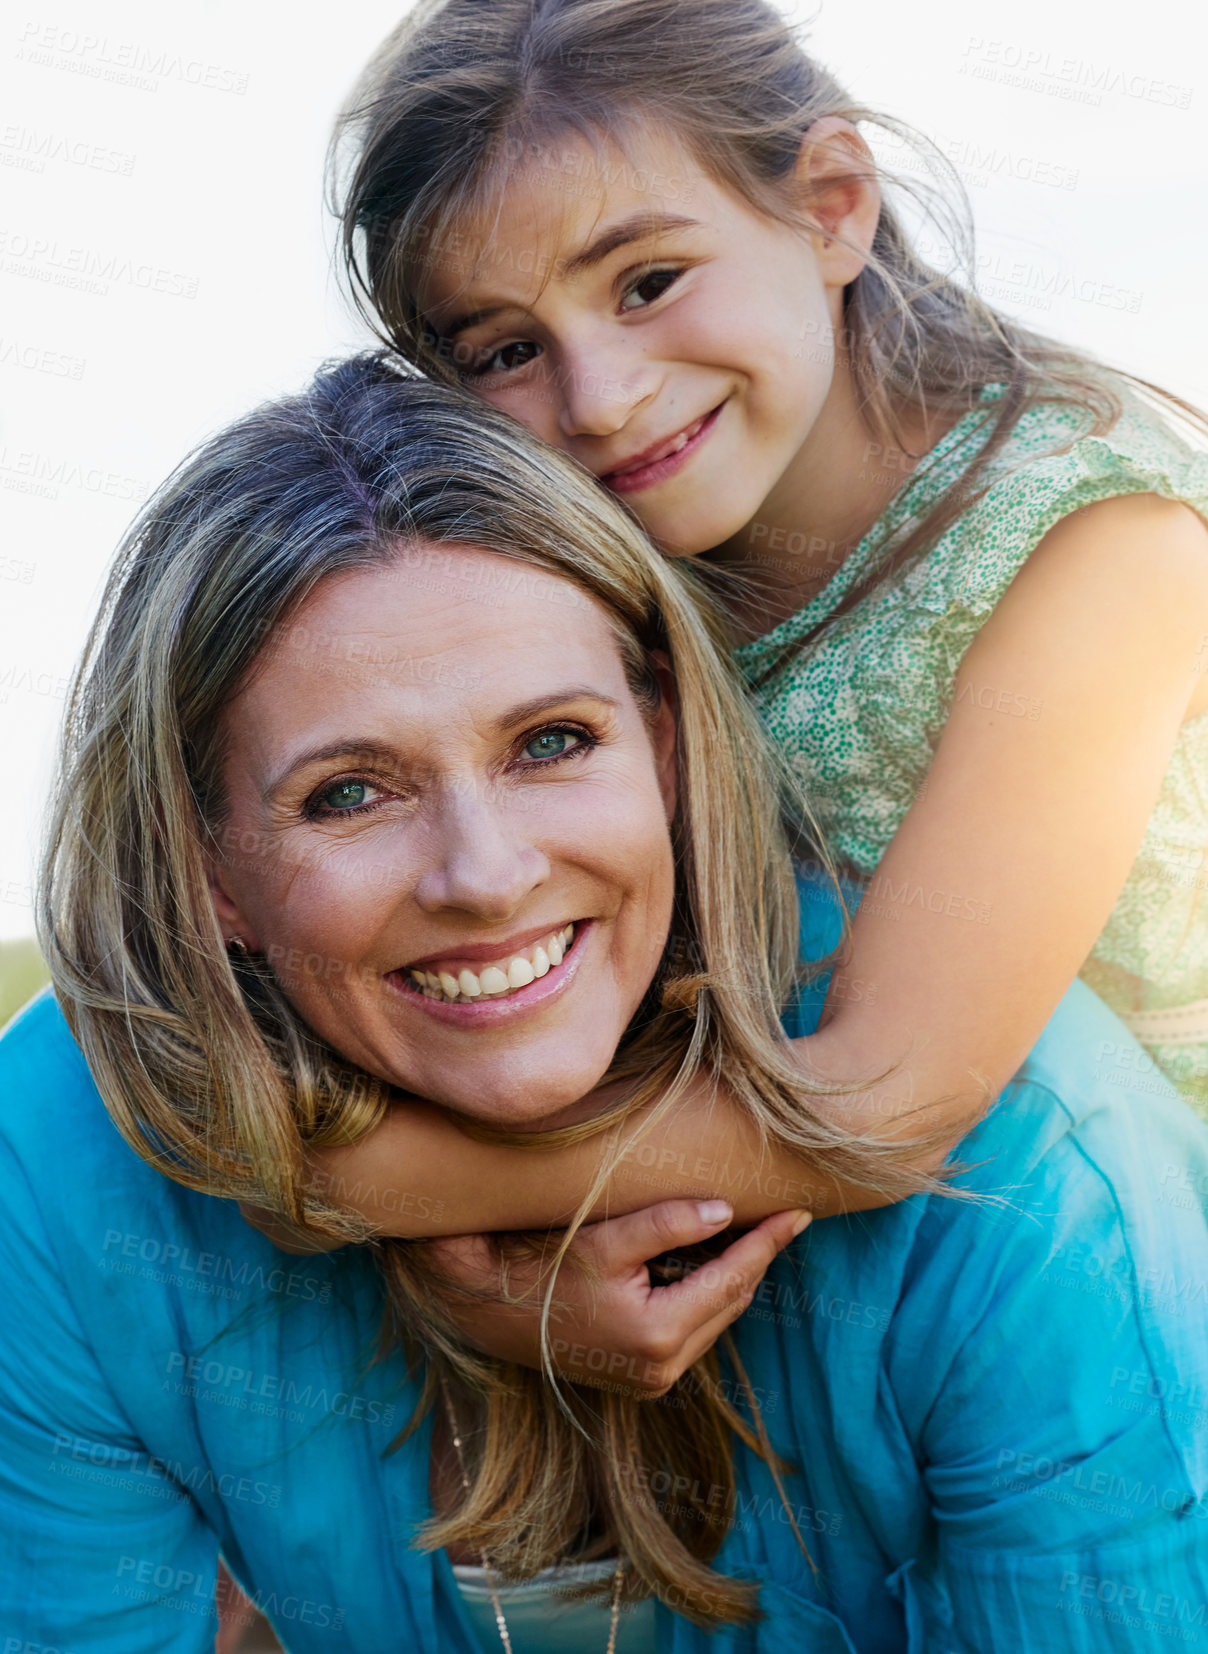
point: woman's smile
(515, 979)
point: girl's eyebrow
(639, 226)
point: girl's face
(676, 342)
(448, 829)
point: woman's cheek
(620, 831)
(327, 904)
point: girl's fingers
(651, 1334)
(621, 1244)
(680, 1322)
(724, 1287)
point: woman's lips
(483, 1011)
(485, 972)
(632, 478)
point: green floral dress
(860, 709)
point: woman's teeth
(495, 981)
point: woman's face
(437, 774)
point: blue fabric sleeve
(101, 1550)
(820, 931)
(1059, 1442)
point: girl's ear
(837, 178)
(664, 729)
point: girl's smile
(662, 460)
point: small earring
(238, 948)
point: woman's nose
(483, 861)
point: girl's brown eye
(509, 357)
(651, 286)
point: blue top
(997, 1411)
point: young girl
(974, 580)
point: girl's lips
(658, 470)
(484, 1013)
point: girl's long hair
(466, 93)
(205, 1066)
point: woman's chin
(524, 1108)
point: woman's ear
(837, 178)
(231, 920)
(664, 732)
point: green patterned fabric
(860, 709)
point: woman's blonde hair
(465, 93)
(205, 1066)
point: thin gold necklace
(489, 1573)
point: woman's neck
(446, 1489)
(839, 483)
(445, 1485)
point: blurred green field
(22, 973)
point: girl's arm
(984, 907)
(1009, 863)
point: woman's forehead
(437, 598)
(445, 638)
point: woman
(327, 717)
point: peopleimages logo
(163, 1478)
(88, 269)
(143, 1578)
(126, 62)
(234, 1386)
(183, 1266)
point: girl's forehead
(552, 207)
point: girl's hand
(610, 1326)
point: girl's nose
(600, 390)
(483, 861)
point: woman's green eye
(551, 743)
(345, 795)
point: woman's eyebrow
(367, 748)
(639, 226)
(383, 752)
(557, 697)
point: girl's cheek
(533, 406)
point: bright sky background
(1085, 153)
